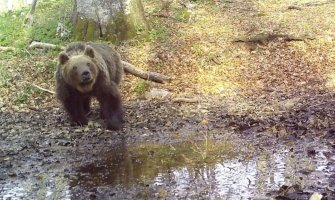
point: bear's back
(74, 49)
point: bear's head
(79, 71)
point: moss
(121, 27)
(85, 29)
(90, 32)
(137, 19)
(80, 27)
(124, 27)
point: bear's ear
(63, 58)
(89, 51)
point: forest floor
(263, 125)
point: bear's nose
(86, 76)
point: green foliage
(182, 15)
(11, 28)
(4, 75)
(47, 15)
(197, 49)
(23, 95)
(6, 55)
(158, 34)
(141, 87)
(51, 65)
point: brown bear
(87, 70)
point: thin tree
(30, 16)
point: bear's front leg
(111, 107)
(75, 108)
(75, 104)
(87, 105)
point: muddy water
(226, 168)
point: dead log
(7, 49)
(152, 76)
(42, 45)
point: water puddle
(228, 168)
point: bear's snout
(86, 76)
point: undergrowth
(46, 18)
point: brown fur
(88, 70)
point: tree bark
(105, 19)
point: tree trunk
(30, 17)
(113, 20)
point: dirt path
(263, 128)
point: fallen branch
(152, 76)
(267, 37)
(294, 7)
(40, 88)
(319, 3)
(7, 48)
(187, 100)
(42, 45)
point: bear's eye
(88, 64)
(75, 67)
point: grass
(4, 75)
(23, 94)
(182, 15)
(141, 87)
(48, 14)
(157, 34)
(11, 28)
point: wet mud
(43, 157)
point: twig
(187, 100)
(40, 88)
(294, 7)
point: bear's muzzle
(86, 77)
